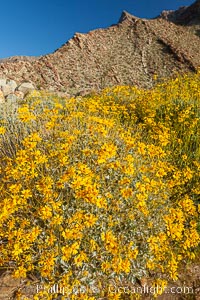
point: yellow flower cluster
(101, 188)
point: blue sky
(38, 27)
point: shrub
(101, 189)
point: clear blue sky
(38, 27)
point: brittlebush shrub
(102, 190)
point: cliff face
(130, 52)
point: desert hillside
(128, 53)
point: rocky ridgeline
(188, 16)
(11, 91)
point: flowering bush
(101, 189)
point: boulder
(6, 89)
(19, 94)
(26, 87)
(7, 86)
(2, 82)
(11, 98)
(12, 84)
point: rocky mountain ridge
(185, 15)
(18, 58)
(130, 52)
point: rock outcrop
(11, 91)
